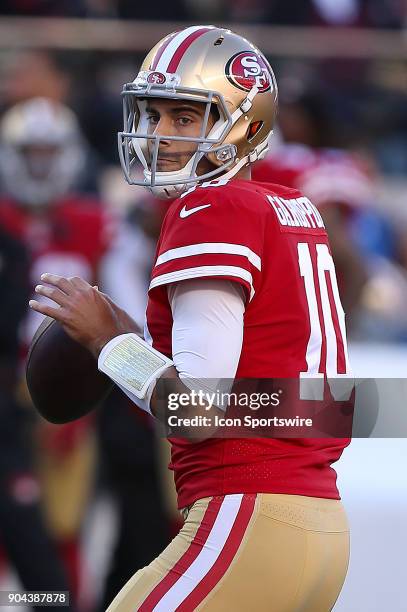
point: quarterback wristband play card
(131, 362)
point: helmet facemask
(135, 139)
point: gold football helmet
(216, 67)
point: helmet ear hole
(214, 112)
(254, 129)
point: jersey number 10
(329, 332)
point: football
(62, 376)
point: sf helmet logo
(156, 77)
(246, 69)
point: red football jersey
(68, 238)
(271, 240)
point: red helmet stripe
(179, 53)
(161, 51)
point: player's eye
(153, 119)
(183, 121)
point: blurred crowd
(367, 13)
(65, 208)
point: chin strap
(258, 153)
(246, 105)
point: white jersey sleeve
(207, 332)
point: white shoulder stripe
(173, 46)
(206, 558)
(204, 248)
(200, 271)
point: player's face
(177, 118)
(39, 159)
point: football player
(42, 157)
(243, 286)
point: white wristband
(132, 363)
(143, 404)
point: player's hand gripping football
(87, 315)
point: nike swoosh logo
(185, 213)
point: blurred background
(83, 506)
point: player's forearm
(168, 388)
(151, 381)
(207, 335)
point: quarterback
(243, 287)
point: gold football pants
(245, 553)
